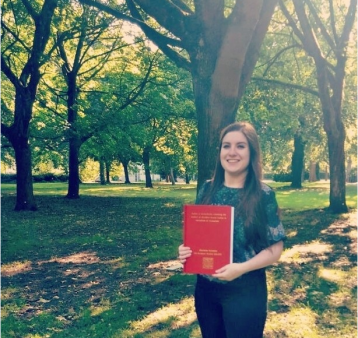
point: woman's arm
(263, 259)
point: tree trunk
(25, 199)
(187, 178)
(349, 169)
(218, 92)
(326, 175)
(318, 174)
(337, 196)
(126, 173)
(74, 140)
(297, 161)
(172, 179)
(102, 172)
(108, 170)
(73, 169)
(148, 179)
(313, 177)
(334, 128)
(19, 137)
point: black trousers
(235, 309)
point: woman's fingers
(184, 253)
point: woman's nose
(232, 151)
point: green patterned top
(243, 251)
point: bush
(282, 177)
(8, 178)
(49, 177)
(43, 178)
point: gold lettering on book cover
(208, 263)
(207, 217)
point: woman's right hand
(184, 253)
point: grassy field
(101, 266)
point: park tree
(133, 128)
(323, 31)
(26, 29)
(85, 46)
(217, 41)
(154, 120)
(87, 43)
(282, 93)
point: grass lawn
(99, 266)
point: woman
(232, 303)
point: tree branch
(291, 22)
(16, 37)
(163, 42)
(287, 85)
(333, 21)
(168, 15)
(321, 26)
(348, 24)
(253, 51)
(180, 4)
(30, 10)
(310, 42)
(9, 74)
(275, 57)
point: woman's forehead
(234, 136)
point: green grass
(97, 266)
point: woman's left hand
(229, 272)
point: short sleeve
(276, 232)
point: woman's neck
(235, 181)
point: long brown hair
(250, 207)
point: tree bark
(313, 176)
(102, 172)
(220, 76)
(108, 171)
(297, 161)
(126, 173)
(73, 169)
(172, 178)
(337, 194)
(349, 169)
(148, 179)
(187, 178)
(25, 199)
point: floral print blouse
(230, 196)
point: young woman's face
(235, 154)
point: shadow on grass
(96, 267)
(313, 288)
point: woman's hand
(263, 259)
(184, 253)
(229, 272)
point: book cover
(208, 231)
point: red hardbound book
(208, 231)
